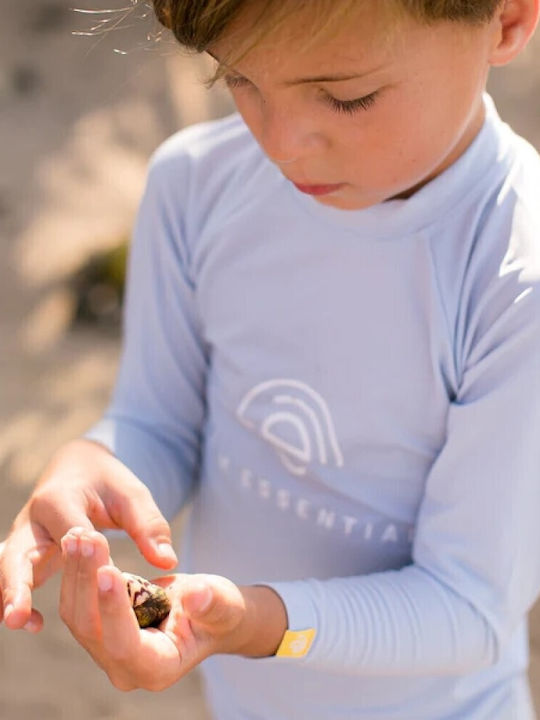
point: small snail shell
(150, 602)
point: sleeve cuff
(102, 432)
(302, 619)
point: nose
(288, 136)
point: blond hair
(197, 24)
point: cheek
(434, 114)
(379, 147)
(403, 142)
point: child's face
(396, 108)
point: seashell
(150, 602)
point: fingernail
(166, 551)
(87, 547)
(105, 581)
(7, 611)
(76, 530)
(31, 626)
(70, 544)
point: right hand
(84, 485)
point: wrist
(263, 625)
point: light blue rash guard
(350, 403)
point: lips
(318, 189)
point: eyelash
(346, 107)
(349, 107)
(234, 81)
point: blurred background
(79, 117)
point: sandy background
(77, 125)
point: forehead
(296, 36)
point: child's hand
(209, 615)
(84, 485)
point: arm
(476, 570)
(154, 419)
(149, 433)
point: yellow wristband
(296, 643)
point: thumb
(197, 601)
(214, 602)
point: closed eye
(234, 81)
(350, 107)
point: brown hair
(197, 24)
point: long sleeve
(476, 552)
(154, 420)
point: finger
(27, 559)
(56, 518)
(71, 552)
(35, 623)
(134, 658)
(16, 581)
(120, 629)
(137, 513)
(84, 552)
(122, 501)
(46, 563)
(68, 587)
(93, 553)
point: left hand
(209, 615)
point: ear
(514, 24)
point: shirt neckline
(489, 149)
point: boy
(332, 346)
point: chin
(346, 203)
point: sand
(78, 123)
